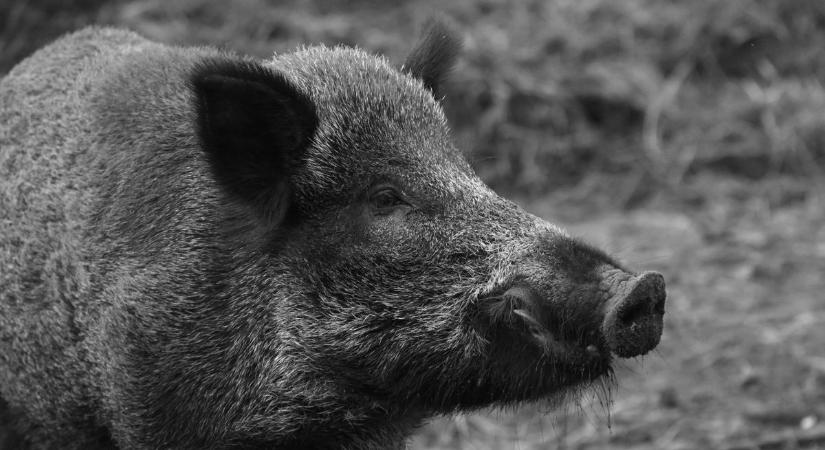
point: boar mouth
(627, 323)
(513, 315)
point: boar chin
(517, 371)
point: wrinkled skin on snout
(275, 254)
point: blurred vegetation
(549, 92)
(690, 134)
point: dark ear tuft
(254, 125)
(434, 55)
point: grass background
(683, 136)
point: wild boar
(204, 250)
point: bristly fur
(434, 55)
(202, 250)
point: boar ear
(254, 126)
(434, 55)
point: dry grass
(548, 93)
(686, 137)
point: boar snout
(626, 309)
(633, 318)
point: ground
(683, 137)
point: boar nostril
(659, 305)
(641, 308)
(633, 321)
(634, 312)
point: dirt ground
(683, 137)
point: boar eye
(385, 200)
